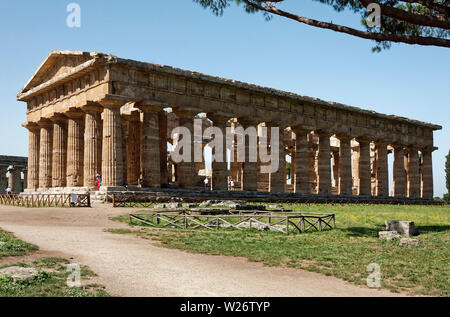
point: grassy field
(51, 278)
(343, 252)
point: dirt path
(131, 266)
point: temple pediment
(57, 63)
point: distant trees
(447, 176)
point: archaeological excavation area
(91, 114)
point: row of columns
(69, 150)
(14, 179)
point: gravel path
(132, 266)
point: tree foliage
(423, 22)
(447, 172)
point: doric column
(345, 166)
(382, 176)
(14, 180)
(3, 170)
(249, 174)
(112, 160)
(399, 171)
(364, 168)
(277, 179)
(59, 159)
(151, 167)
(75, 148)
(33, 155)
(92, 139)
(413, 173)
(162, 115)
(125, 143)
(301, 172)
(324, 169)
(134, 150)
(25, 177)
(186, 175)
(45, 154)
(427, 174)
(220, 168)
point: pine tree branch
(433, 41)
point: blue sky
(410, 81)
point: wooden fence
(144, 200)
(292, 222)
(47, 200)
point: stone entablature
(107, 104)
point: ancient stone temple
(92, 113)
(14, 166)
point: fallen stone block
(19, 273)
(407, 228)
(389, 235)
(407, 242)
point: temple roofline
(29, 91)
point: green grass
(14, 246)
(51, 278)
(49, 284)
(343, 252)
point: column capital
(363, 139)
(58, 118)
(113, 101)
(31, 126)
(92, 108)
(323, 133)
(300, 129)
(218, 118)
(45, 123)
(428, 149)
(74, 113)
(246, 122)
(344, 137)
(183, 113)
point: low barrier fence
(46, 200)
(287, 223)
(148, 199)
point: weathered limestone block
(19, 273)
(403, 227)
(389, 235)
(408, 242)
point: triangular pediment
(57, 63)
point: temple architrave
(93, 113)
